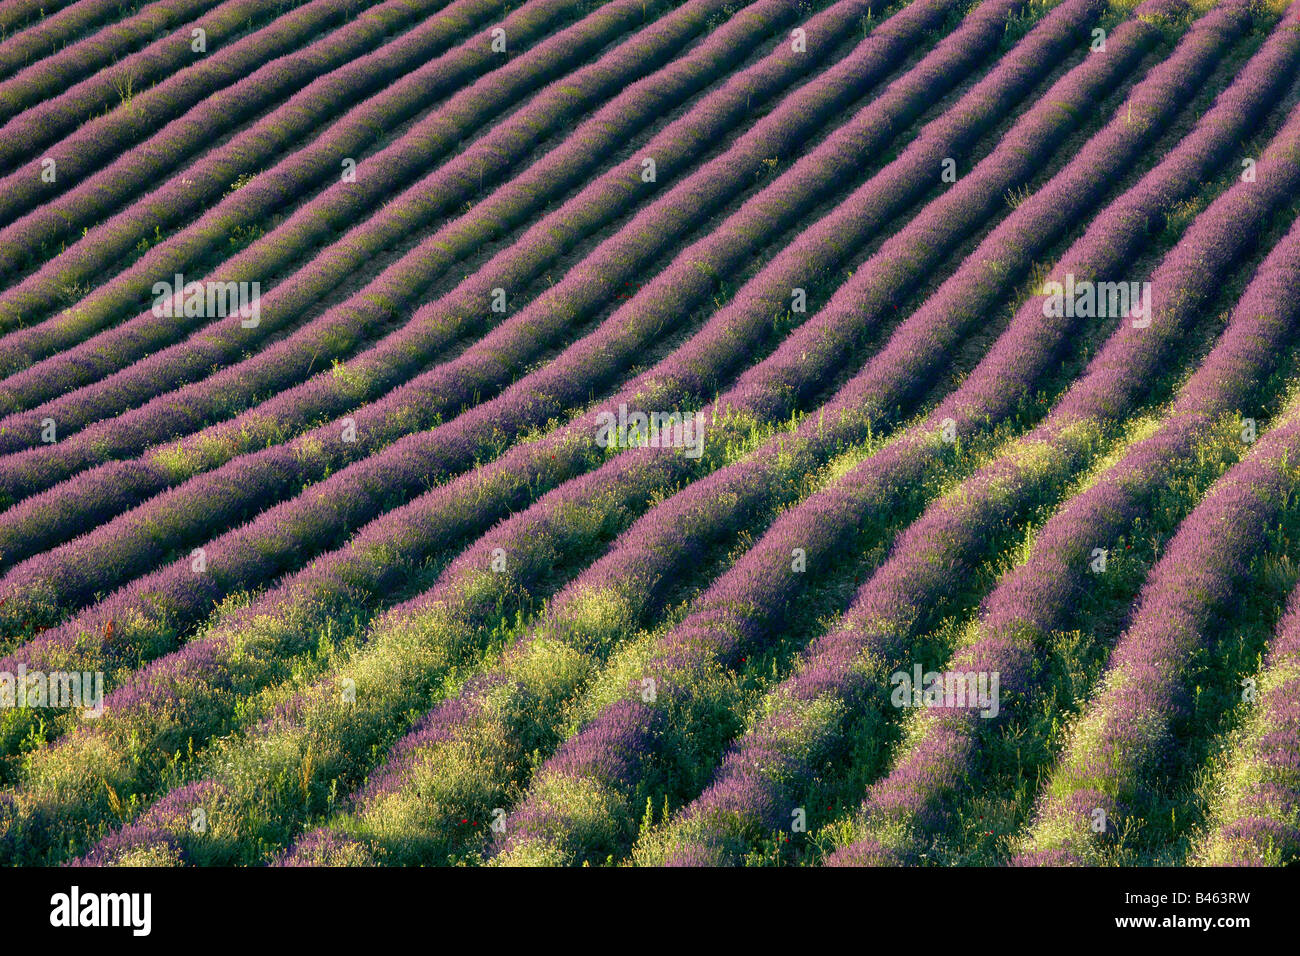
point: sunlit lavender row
(650, 433)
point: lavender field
(649, 432)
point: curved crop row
(148, 821)
(463, 758)
(720, 623)
(205, 181)
(450, 447)
(1257, 819)
(96, 495)
(219, 340)
(1036, 597)
(739, 807)
(476, 421)
(1163, 621)
(96, 52)
(24, 135)
(43, 39)
(17, 14)
(348, 136)
(373, 580)
(753, 479)
(41, 214)
(400, 670)
(1124, 734)
(420, 513)
(818, 346)
(208, 98)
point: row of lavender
(445, 450)
(78, 155)
(337, 331)
(391, 816)
(620, 754)
(216, 795)
(96, 53)
(506, 473)
(569, 725)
